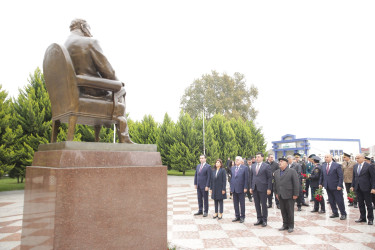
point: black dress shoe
(314, 211)
(236, 219)
(251, 199)
(242, 220)
(350, 205)
(334, 216)
(283, 228)
(269, 206)
(311, 200)
(264, 224)
(322, 212)
(299, 209)
(304, 204)
(355, 205)
(343, 217)
(370, 222)
(278, 206)
(205, 215)
(259, 222)
(290, 230)
(360, 220)
(198, 213)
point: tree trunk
(18, 179)
(183, 172)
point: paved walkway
(186, 231)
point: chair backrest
(60, 80)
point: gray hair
(239, 158)
(290, 157)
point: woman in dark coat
(218, 188)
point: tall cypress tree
(185, 151)
(144, 132)
(31, 123)
(5, 103)
(166, 139)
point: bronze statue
(82, 85)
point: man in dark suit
(202, 182)
(364, 184)
(286, 190)
(239, 186)
(274, 166)
(332, 180)
(296, 166)
(260, 187)
(88, 60)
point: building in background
(289, 144)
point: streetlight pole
(204, 146)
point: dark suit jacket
(203, 178)
(239, 182)
(218, 184)
(263, 180)
(366, 178)
(286, 186)
(334, 178)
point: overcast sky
(312, 61)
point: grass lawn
(187, 173)
(9, 184)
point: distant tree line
(25, 122)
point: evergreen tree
(31, 123)
(144, 132)
(185, 151)
(220, 139)
(4, 124)
(166, 140)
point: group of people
(289, 181)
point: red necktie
(201, 168)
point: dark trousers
(347, 187)
(287, 212)
(307, 188)
(260, 200)
(373, 199)
(316, 203)
(249, 194)
(202, 196)
(365, 197)
(336, 197)
(219, 204)
(270, 198)
(301, 198)
(239, 200)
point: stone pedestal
(95, 196)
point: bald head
(360, 158)
(328, 158)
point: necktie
(327, 168)
(201, 168)
(257, 169)
(359, 168)
(235, 174)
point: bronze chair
(68, 105)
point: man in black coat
(260, 187)
(286, 190)
(364, 184)
(274, 166)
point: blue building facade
(289, 144)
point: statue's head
(82, 25)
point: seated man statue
(89, 60)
